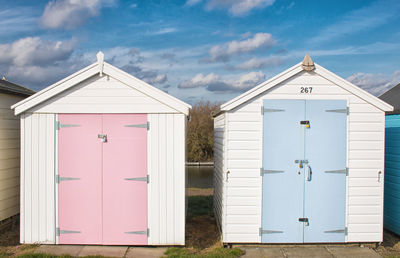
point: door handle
(379, 176)
(309, 173)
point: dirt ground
(390, 246)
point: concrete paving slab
(273, 252)
(270, 252)
(306, 252)
(109, 251)
(148, 252)
(352, 252)
(72, 250)
(252, 251)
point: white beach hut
(10, 93)
(102, 161)
(300, 159)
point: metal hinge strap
(339, 171)
(263, 110)
(267, 231)
(58, 178)
(341, 110)
(337, 231)
(269, 171)
(60, 231)
(146, 232)
(59, 125)
(145, 179)
(146, 125)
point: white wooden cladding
(102, 95)
(219, 167)
(37, 178)
(243, 150)
(9, 157)
(166, 189)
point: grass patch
(176, 252)
(200, 205)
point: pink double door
(102, 181)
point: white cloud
(70, 14)
(214, 83)
(366, 18)
(376, 84)
(225, 51)
(257, 63)
(200, 80)
(163, 31)
(34, 51)
(238, 7)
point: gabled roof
(15, 89)
(298, 68)
(100, 67)
(392, 97)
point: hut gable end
(103, 94)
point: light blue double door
(304, 171)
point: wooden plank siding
(166, 190)
(365, 152)
(9, 156)
(102, 95)
(37, 178)
(392, 173)
(219, 168)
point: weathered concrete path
(266, 251)
(107, 251)
(310, 251)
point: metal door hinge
(145, 232)
(266, 231)
(58, 178)
(59, 125)
(342, 110)
(145, 179)
(146, 125)
(60, 231)
(339, 171)
(345, 231)
(263, 110)
(269, 171)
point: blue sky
(201, 49)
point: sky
(200, 50)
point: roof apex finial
(308, 64)
(100, 62)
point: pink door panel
(125, 179)
(79, 188)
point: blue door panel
(325, 190)
(282, 184)
(288, 192)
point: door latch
(305, 220)
(301, 162)
(103, 137)
(306, 123)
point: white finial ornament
(100, 62)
